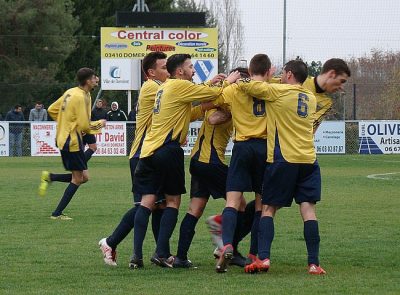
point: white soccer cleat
(215, 227)
(109, 256)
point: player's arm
(56, 106)
(219, 116)
(259, 89)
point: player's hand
(103, 122)
(208, 105)
(218, 78)
(233, 77)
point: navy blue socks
(186, 235)
(141, 222)
(155, 222)
(68, 194)
(265, 237)
(167, 226)
(254, 233)
(311, 236)
(61, 177)
(229, 219)
(122, 230)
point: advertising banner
(379, 137)
(4, 140)
(43, 139)
(112, 140)
(330, 138)
(120, 47)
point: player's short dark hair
(259, 64)
(338, 65)
(149, 61)
(298, 69)
(83, 75)
(244, 72)
(39, 102)
(17, 106)
(175, 61)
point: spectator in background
(16, 130)
(38, 113)
(99, 111)
(115, 114)
(132, 115)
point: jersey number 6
(302, 107)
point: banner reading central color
(122, 48)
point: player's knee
(85, 178)
(196, 211)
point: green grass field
(359, 227)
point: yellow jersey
(291, 111)
(172, 112)
(249, 114)
(324, 102)
(72, 114)
(212, 140)
(144, 111)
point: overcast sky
(320, 29)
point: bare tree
(224, 15)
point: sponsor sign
(4, 140)
(193, 132)
(43, 139)
(330, 138)
(112, 140)
(121, 47)
(134, 42)
(379, 137)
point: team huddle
(272, 121)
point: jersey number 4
(302, 107)
(157, 103)
(258, 107)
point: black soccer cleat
(182, 263)
(162, 262)
(136, 263)
(238, 260)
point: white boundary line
(381, 176)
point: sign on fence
(43, 139)
(4, 140)
(112, 140)
(330, 138)
(379, 137)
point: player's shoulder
(75, 92)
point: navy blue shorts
(137, 198)
(207, 179)
(284, 182)
(164, 171)
(88, 139)
(74, 161)
(246, 169)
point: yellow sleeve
(324, 105)
(196, 113)
(95, 127)
(259, 89)
(54, 108)
(191, 92)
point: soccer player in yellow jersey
(247, 164)
(161, 164)
(292, 171)
(154, 67)
(72, 114)
(209, 173)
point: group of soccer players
(272, 122)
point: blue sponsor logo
(136, 43)
(115, 46)
(203, 69)
(192, 44)
(115, 72)
(207, 49)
